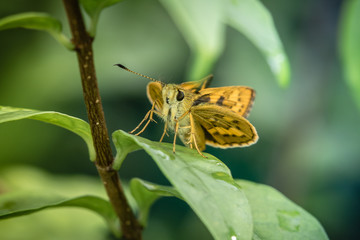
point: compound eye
(180, 96)
(167, 100)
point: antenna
(125, 68)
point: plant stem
(130, 227)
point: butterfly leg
(177, 128)
(165, 128)
(149, 115)
(176, 131)
(147, 123)
(192, 135)
(146, 116)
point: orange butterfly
(200, 115)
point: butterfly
(201, 115)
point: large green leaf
(73, 124)
(93, 8)
(350, 47)
(202, 24)
(276, 217)
(21, 203)
(204, 183)
(38, 21)
(251, 18)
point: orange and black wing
(237, 98)
(196, 86)
(224, 128)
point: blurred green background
(309, 133)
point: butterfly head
(176, 100)
(173, 95)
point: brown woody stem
(130, 227)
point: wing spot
(220, 101)
(203, 99)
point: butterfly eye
(167, 100)
(180, 95)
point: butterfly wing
(237, 98)
(154, 93)
(224, 128)
(196, 86)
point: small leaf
(205, 184)
(93, 8)
(73, 124)
(349, 46)
(146, 193)
(123, 148)
(201, 25)
(37, 21)
(252, 19)
(22, 203)
(159, 190)
(276, 217)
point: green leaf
(37, 21)
(29, 190)
(73, 124)
(276, 217)
(349, 46)
(204, 183)
(22, 203)
(93, 8)
(146, 193)
(201, 25)
(252, 19)
(123, 148)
